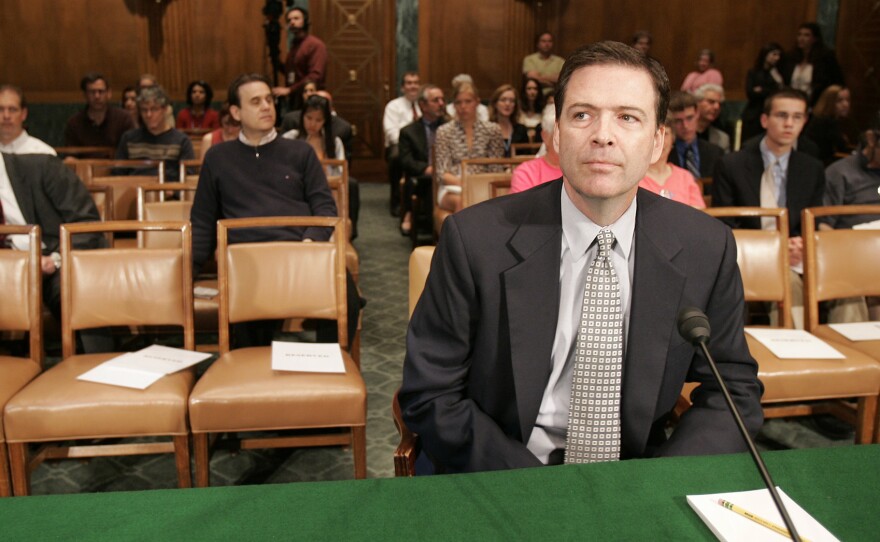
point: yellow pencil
(757, 519)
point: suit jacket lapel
(656, 294)
(531, 296)
(19, 187)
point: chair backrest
(103, 198)
(838, 263)
(762, 257)
(419, 266)
(281, 279)
(91, 168)
(337, 179)
(499, 188)
(124, 193)
(125, 287)
(105, 153)
(476, 187)
(703, 182)
(190, 170)
(152, 208)
(525, 149)
(20, 275)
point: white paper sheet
(307, 357)
(858, 331)
(204, 292)
(141, 369)
(120, 376)
(874, 225)
(793, 344)
(729, 526)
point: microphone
(693, 326)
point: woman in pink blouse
(669, 180)
(706, 73)
(463, 138)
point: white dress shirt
(11, 211)
(398, 113)
(579, 249)
(27, 144)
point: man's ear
(235, 111)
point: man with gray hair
(710, 97)
(543, 168)
(154, 139)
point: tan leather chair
(477, 187)
(189, 172)
(408, 448)
(85, 152)
(704, 182)
(20, 311)
(797, 387)
(525, 149)
(89, 168)
(106, 287)
(840, 264)
(498, 188)
(240, 392)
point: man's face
(710, 105)
(296, 21)
(410, 87)
(434, 104)
(607, 134)
(153, 115)
(785, 121)
(97, 95)
(545, 44)
(685, 124)
(257, 110)
(12, 116)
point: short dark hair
(539, 35)
(680, 100)
(406, 74)
(92, 78)
(209, 92)
(6, 87)
(322, 104)
(305, 13)
(243, 79)
(616, 53)
(787, 92)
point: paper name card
(141, 369)
(874, 225)
(307, 357)
(204, 292)
(858, 331)
(730, 526)
(793, 344)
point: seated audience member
(543, 65)
(465, 137)
(129, 104)
(705, 73)
(810, 66)
(149, 80)
(642, 41)
(291, 119)
(14, 139)
(240, 179)
(36, 188)
(762, 81)
(417, 147)
(398, 113)
(531, 107)
(709, 100)
(690, 152)
(318, 132)
(855, 180)
(830, 126)
(669, 180)
(544, 168)
(341, 127)
(504, 111)
(482, 110)
(228, 131)
(155, 140)
(198, 115)
(99, 124)
(772, 173)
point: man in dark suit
(487, 381)
(690, 152)
(415, 145)
(39, 189)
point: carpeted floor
(384, 257)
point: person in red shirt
(198, 115)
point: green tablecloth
(628, 500)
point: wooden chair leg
(18, 465)
(866, 418)
(359, 449)
(5, 481)
(181, 458)
(203, 465)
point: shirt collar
(580, 232)
(768, 156)
(16, 143)
(268, 138)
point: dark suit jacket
(341, 128)
(413, 147)
(709, 155)
(50, 194)
(737, 183)
(480, 340)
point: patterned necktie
(690, 162)
(769, 196)
(594, 408)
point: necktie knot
(605, 238)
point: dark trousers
(395, 171)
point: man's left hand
(47, 264)
(795, 251)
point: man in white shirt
(398, 113)
(14, 139)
